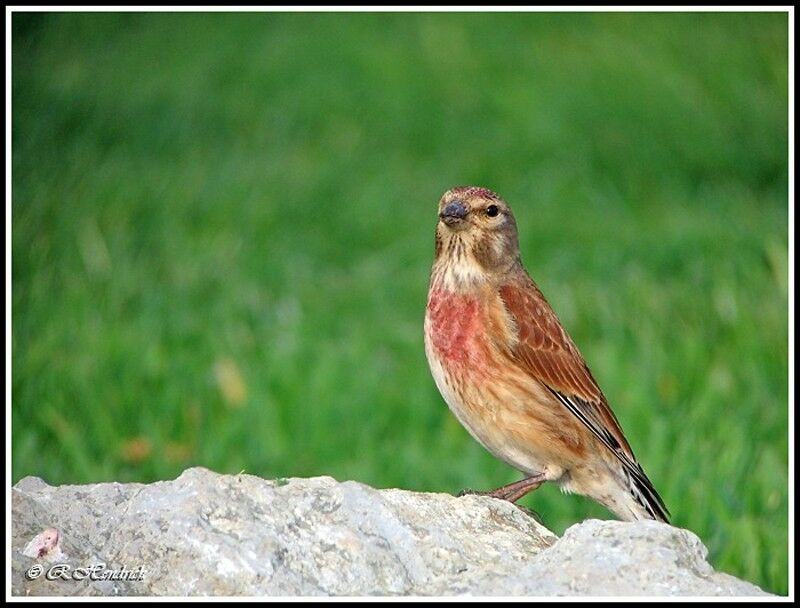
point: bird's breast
(456, 328)
(495, 400)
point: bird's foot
(471, 492)
(511, 492)
(502, 496)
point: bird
(510, 372)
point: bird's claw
(470, 492)
(530, 513)
(526, 510)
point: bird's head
(476, 234)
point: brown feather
(549, 354)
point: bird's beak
(454, 213)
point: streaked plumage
(510, 372)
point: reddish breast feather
(455, 326)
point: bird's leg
(513, 491)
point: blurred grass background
(223, 229)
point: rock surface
(211, 534)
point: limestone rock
(211, 534)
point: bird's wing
(548, 353)
(545, 350)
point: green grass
(223, 228)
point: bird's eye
(492, 210)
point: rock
(211, 534)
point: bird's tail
(639, 498)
